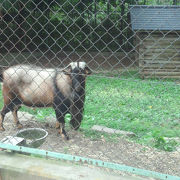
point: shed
(157, 40)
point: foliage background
(84, 25)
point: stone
(112, 131)
(176, 139)
(23, 116)
(178, 149)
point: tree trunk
(174, 2)
(19, 22)
(122, 21)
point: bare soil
(121, 151)
(97, 61)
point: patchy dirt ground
(97, 61)
(122, 151)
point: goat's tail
(1, 77)
(2, 69)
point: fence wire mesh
(108, 71)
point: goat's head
(78, 72)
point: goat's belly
(37, 98)
(37, 104)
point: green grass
(149, 108)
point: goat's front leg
(57, 126)
(77, 114)
(60, 124)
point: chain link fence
(108, 71)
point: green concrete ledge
(19, 167)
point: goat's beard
(76, 95)
(78, 87)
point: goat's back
(26, 74)
(35, 85)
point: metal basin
(34, 137)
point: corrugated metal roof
(155, 17)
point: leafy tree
(69, 24)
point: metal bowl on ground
(34, 137)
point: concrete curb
(19, 167)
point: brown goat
(64, 90)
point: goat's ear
(67, 70)
(87, 71)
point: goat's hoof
(2, 128)
(57, 125)
(19, 126)
(65, 137)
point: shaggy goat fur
(64, 90)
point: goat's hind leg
(57, 126)
(10, 106)
(4, 111)
(16, 120)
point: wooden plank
(161, 62)
(156, 55)
(161, 73)
(161, 47)
(161, 70)
(162, 57)
(159, 50)
(160, 66)
(137, 43)
(161, 77)
(161, 38)
(162, 42)
(159, 35)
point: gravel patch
(121, 151)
